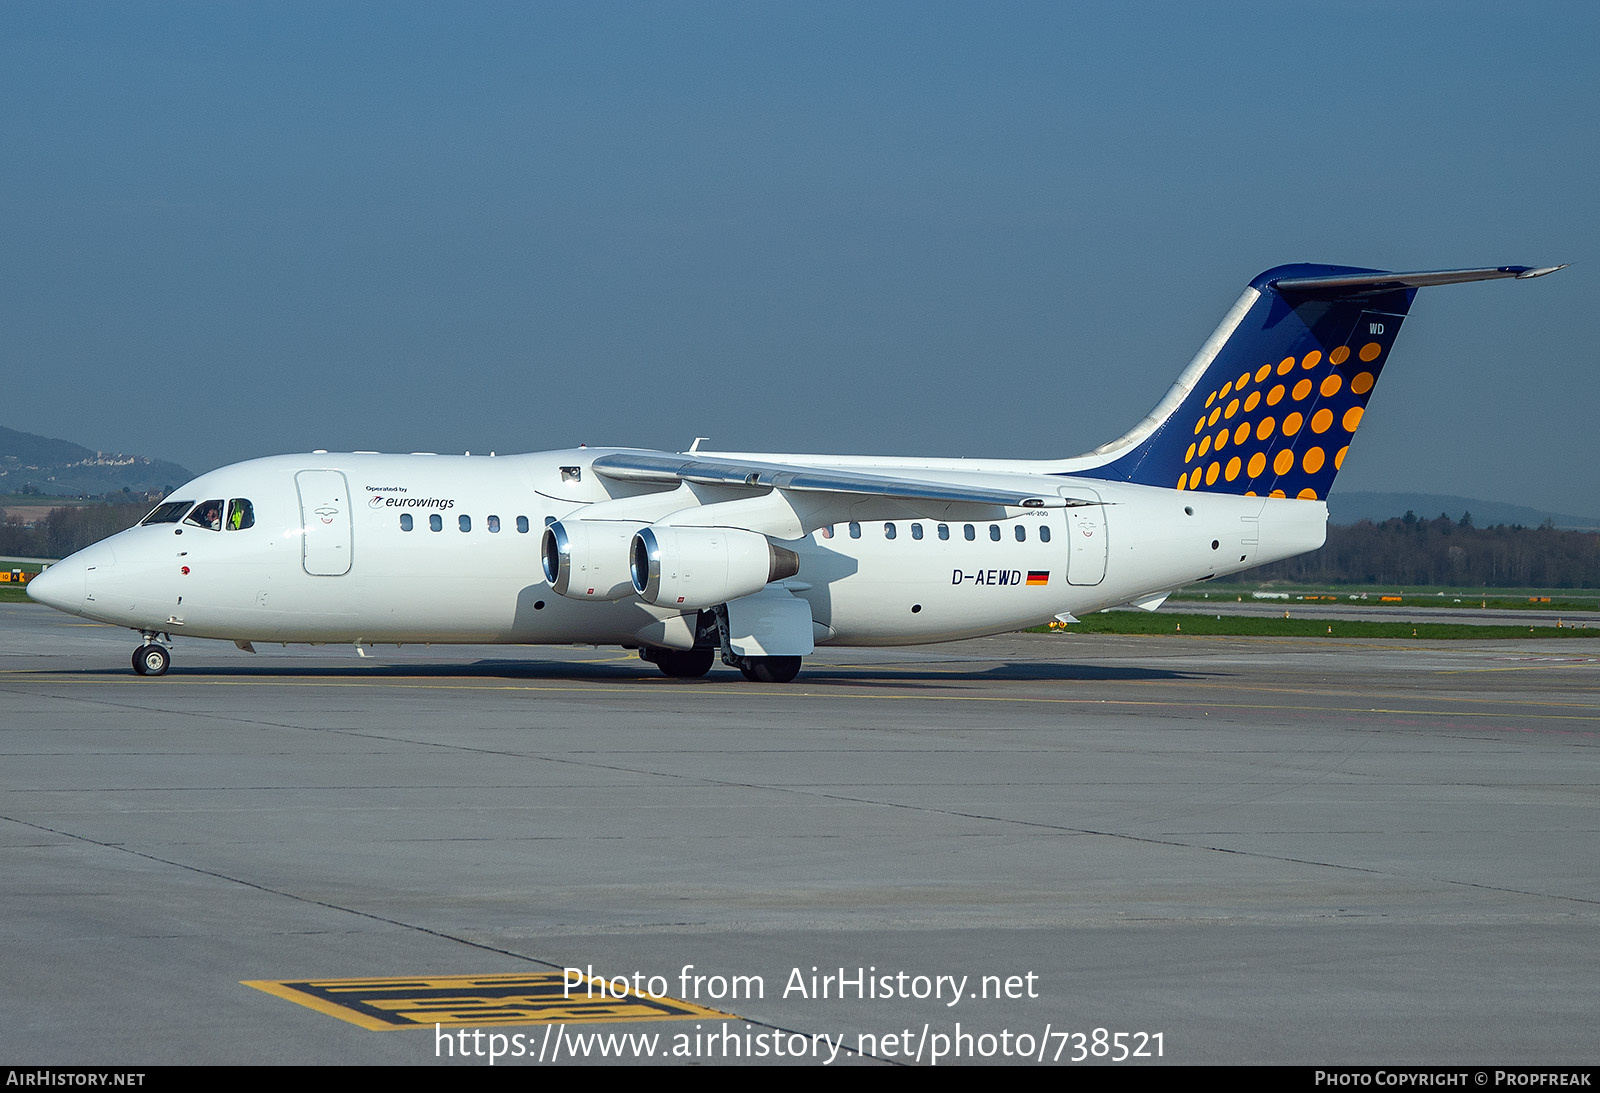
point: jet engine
(588, 559)
(693, 567)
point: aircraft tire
(151, 660)
(681, 664)
(770, 669)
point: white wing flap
(664, 468)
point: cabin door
(325, 516)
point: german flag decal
(1038, 576)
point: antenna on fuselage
(695, 447)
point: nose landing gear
(151, 659)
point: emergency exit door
(1086, 540)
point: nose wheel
(151, 660)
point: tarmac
(1033, 848)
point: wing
(787, 501)
(664, 469)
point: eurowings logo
(415, 502)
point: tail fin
(1269, 405)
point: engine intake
(588, 559)
(689, 567)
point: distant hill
(1351, 508)
(60, 468)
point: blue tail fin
(1270, 405)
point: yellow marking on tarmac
(476, 1001)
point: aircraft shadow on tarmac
(634, 671)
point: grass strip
(1174, 623)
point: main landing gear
(151, 659)
(681, 664)
(712, 627)
(769, 669)
(694, 663)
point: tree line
(1409, 551)
(69, 528)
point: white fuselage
(351, 572)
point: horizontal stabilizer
(1359, 284)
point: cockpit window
(207, 514)
(169, 512)
(241, 514)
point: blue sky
(962, 229)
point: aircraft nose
(65, 585)
(61, 586)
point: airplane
(760, 558)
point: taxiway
(1267, 851)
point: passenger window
(241, 514)
(1022, 534)
(522, 524)
(1044, 533)
(969, 531)
(855, 530)
(916, 531)
(493, 523)
(169, 513)
(888, 531)
(436, 522)
(944, 531)
(405, 521)
(207, 514)
(464, 522)
(994, 532)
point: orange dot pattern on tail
(1285, 426)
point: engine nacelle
(690, 567)
(588, 559)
